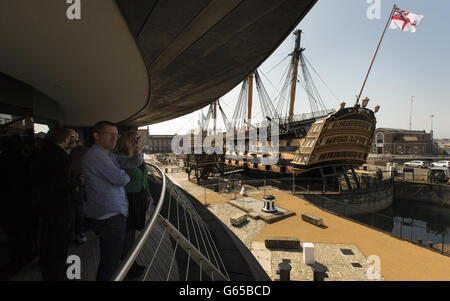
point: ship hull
(336, 142)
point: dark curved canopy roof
(197, 51)
(139, 62)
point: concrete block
(282, 243)
(312, 219)
(238, 219)
(253, 215)
(308, 253)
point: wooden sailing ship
(323, 142)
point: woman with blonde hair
(138, 195)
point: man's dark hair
(57, 135)
(98, 127)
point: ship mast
(215, 116)
(250, 96)
(295, 58)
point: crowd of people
(76, 189)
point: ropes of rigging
(267, 108)
(240, 112)
(279, 63)
(283, 99)
(312, 67)
(224, 117)
(315, 100)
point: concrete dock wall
(423, 192)
(350, 204)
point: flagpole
(374, 56)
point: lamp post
(431, 117)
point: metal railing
(306, 116)
(192, 233)
(175, 221)
(131, 257)
(402, 228)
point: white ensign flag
(405, 21)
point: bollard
(285, 271)
(269, 204)
(319, 272)
(319, 276)
(419, 241)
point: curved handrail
(131, 257)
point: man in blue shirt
(107, 204)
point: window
(380, 138)
(40, 128)
(308, 142)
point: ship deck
(400, 260)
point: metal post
(285, 271)
(293, 182)
(265, 184)
(371, 64)
(319, 273)
(401, 228)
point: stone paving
(245, 232)
(400, 260)
(339, 266)
(329, 255)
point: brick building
(402, 142)
(156, 143)
(144, 134)
(160, 143)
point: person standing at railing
(107, 204)
(51, 192)
(138, 195)
(79, 194)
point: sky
(340, 38)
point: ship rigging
(323, 142)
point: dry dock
(400, 260)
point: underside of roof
(139, 62)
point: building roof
(400, 131)
(410, 138)
(161, 136)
